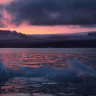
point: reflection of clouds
(16, 60)
(18, 94)
(20, 60)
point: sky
(48, 16)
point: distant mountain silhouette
(15, 39)
(5, 34)
(92, 34)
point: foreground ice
(16, 94)
(74, 71)
(22, 94)
(4, 72)
(80, 69)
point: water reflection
(17, 58)
(33, 60)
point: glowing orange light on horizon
(5, 1)
(47, 30)
(32, 29)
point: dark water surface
(35, 57)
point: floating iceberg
(74, 71)
(80, 69)
(4, 72)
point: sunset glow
(47, 29)
(5, 1)
(27, 28)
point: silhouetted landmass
(54, 44)
(68, 44)
(92, 34)
(58, 37)
(13, 39)
(7, 34)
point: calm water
(16, 58)
(31, 57)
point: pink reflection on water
(35, 59)
(15, 61)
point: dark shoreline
(48, 44)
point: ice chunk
(74, 72)
(80, 69)
(4, 72)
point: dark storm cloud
(88, 26)
(1, 17)
(53, 12)
(1, 23)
